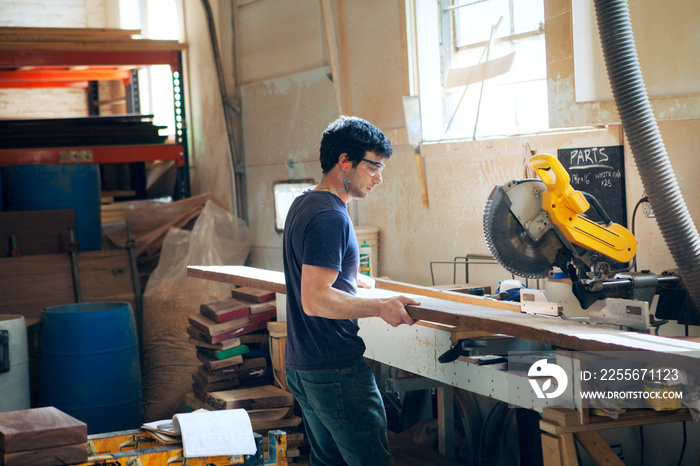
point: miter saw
(534, 225)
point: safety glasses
(372, 167)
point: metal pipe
(72, 252)
(138, 299)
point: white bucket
(14, 383)
(370, 235)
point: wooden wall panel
(377, 64)
(285, 117)
(277, 38)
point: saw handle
(554, 176)
(598, 207)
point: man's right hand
(393, 310)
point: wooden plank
(446, 294)
(550, 330)
(211, 327)
(38, 34)
(240, 276)
(37, 232)
(224, 310)
(140, 45)
(30, 429)
(597, 447)
(561, 416)
(106, 276)
(636, 417)
(332, 45)
(551, 450)
(33, 283)
(568, 450)
(270, 414)
(262, 397)
(254, 295)
(274, 281)
(214, 364)
(226, 344)
(64, 454)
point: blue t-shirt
(318, 231)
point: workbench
(445, 318)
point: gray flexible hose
(648, 149)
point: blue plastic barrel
(89, 365)
(49, 187)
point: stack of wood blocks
(268, 407)
(223, 332)
(41, 436)
(233, 375)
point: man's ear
(343, 160)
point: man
(342, 408)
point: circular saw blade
(510, 244)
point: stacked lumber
(86, 131)
(222, 334)
(233, 374)
(278, 345)
(41, 436)
(268, 407)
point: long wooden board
(36, 231)
(554, 331)
(33, 283)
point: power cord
(634, 216)
(685, 441)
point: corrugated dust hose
(648, 149)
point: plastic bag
(217, 238)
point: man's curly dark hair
(354, 136)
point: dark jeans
(343, 414)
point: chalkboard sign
(599, 171)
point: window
(157, 19)
(482, 69)
(285, 192)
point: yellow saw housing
(566, 207)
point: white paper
(165, 425)
(215, 433)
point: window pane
(162, 20)
(514, 102)
(474, 22)
(527, 14)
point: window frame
(428, 83)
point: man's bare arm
(320, 299)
